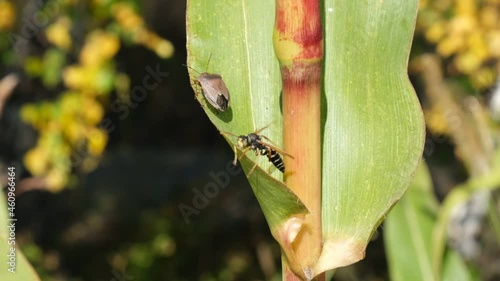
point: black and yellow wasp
(254, 142)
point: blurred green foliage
(455, 65)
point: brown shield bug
(213, 88)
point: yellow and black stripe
(276, 159)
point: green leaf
(408, 231)
(373, 131)
(456, 269)
(23, 270)
(408, 237)
(234, 39)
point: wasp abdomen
(276, 159)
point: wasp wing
(275, 148)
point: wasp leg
(244, 151)
(234, 146)
(235, 161)
(251, 170)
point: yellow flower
(126, 17)
(164, 49)
(450, 45)
(71, 102)
(97, 140)
(75, 77)
(467, 62)
(466, 7)
(7, 15)
(36, 160)
(89, 79)
(160, 46)
(56, 179)
(461, 25)
(477, 45)
(436, 31)
(489, 16)
(435, 121)
(58, 33)
(493, 41)
(99, 47)
(74, 132)
(93, 112)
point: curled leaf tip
(338, 253)
(293, 226)
(309, 273)
(285, 234)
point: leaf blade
(237, 35)
(374, 130)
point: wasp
(254, 141)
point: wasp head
(243, 142)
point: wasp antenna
(227, 133)
(261, 129)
